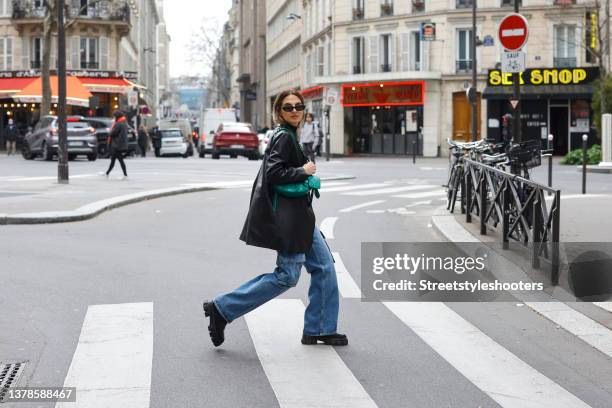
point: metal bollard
(550, 162)
(585, 137)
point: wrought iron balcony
(358, 14)
(386, 9)
(89, 65)
(464, 66)
(510, 3)
(103, 10)
(358, 69)
(385, 68)
(564, 62)
(35, 64)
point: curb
(94, 209)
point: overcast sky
(182, 16)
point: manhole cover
(9, 376)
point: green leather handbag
(294, 190)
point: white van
(209, 123)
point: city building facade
(400, 69)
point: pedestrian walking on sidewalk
(11, 138)
(309, 136)
(143, 140)
(286, 225)
(118, 142)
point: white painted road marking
(351, 187)
(301, 376)
(358, 206)
(346, 284)
(422, 195)
(327, 227)
(112, 364)
(588, 330)
(604, 305)
(390, 190)
(502, 375)
(428, 202)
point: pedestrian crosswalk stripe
(112, 364)
(591, 332)
(346, 285)
(389, 190)
(351, 187)
(604, 305)
(301, 376)
(362, 205)
(422, 195)
(334, 183)
(502, 375)
(327, 227)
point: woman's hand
(310, 168)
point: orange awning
(107, 85)
(10, 86)
(76, 94)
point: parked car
(173, 143)
(264, 139)
(43, 139)
(234, 139)
(210, 119)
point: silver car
(43, 139)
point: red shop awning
(11, 86)
(107, 85)
(384, 94)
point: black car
(103, 128)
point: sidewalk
(38, 198)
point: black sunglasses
(289, 108)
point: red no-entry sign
(513, 32)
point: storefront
(383, 117)
(553, 101)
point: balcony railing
(564, 62)
(418, 6)
(89, 65)
(357, 14)
(385, 68)
(564, 2)
(102, 10)
(358, 69)
(464, 66)
(510, 3)
(386, 9)
(35, 64)
(461, 4)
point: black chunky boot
(336, 339)
(217, 323)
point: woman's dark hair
(311, 115)
(278, 103)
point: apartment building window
(418, 6)
(358, 55)
(6, 8)
(328, 60)
(386, 53)
(36, 57)
(565, 46)
(386, 8)
(358, 9)
(6, 54)
(461, 4)
(415, 51)
(89, 53)
(320, 61)
(464, 50)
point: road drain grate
(9, 376)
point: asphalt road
(170, 254)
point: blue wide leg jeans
(321, 316)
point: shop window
(565, 46)
(36, 57)
(386, 53)
(386, 8)
(89, 53)
(358, 55)
(464, 51)
(6, 53)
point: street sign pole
(516, 129)
(474, 77)
(62, 153)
